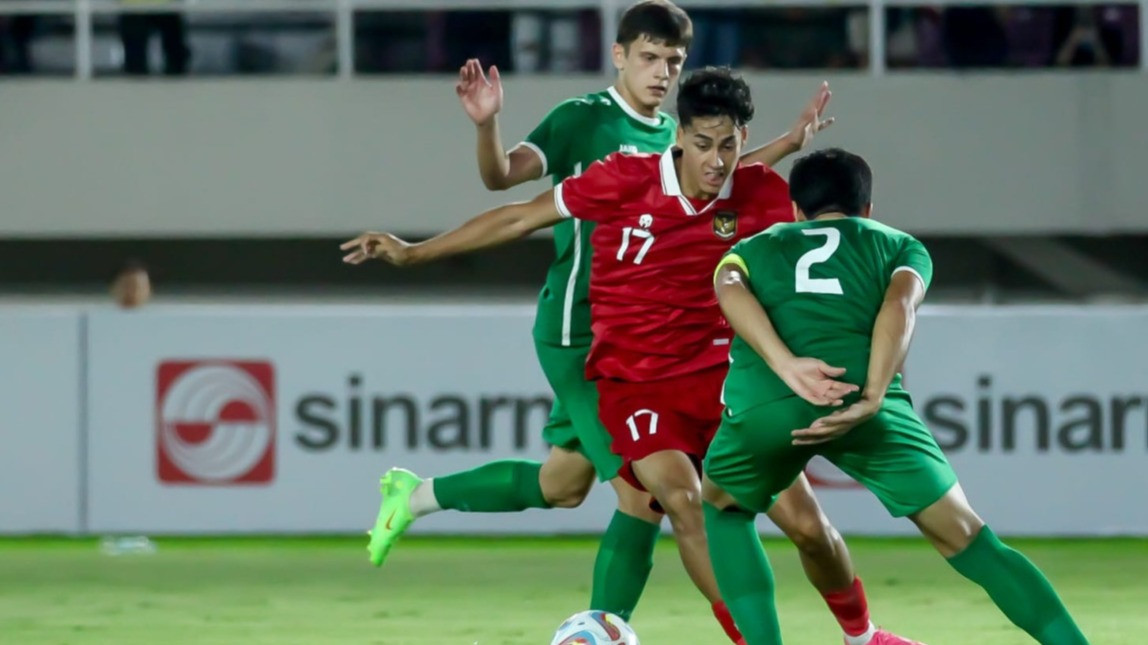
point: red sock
(725, 619)
(850, 608)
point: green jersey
(575, 134)
(822, 283)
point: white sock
(422, 501)
(862, 639)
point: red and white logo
(215, 422)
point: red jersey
(654, 314)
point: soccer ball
(594, 628)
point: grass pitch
(458, 591)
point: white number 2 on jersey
(806, 284)
(638, 233)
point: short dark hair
(659, 20)
(831, 181)
(714, 91)
(129, 266)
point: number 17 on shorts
(680, 413)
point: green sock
(497, 487)
(625, 559)
(744, 576)
(1019, 589)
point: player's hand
(812, 119)
(813, 380)
(837, 424)
(480, 97)
(382, 246)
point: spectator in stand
(136, 30)
(974, 37)
(131, 287)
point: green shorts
(574, 423)
(893, 454)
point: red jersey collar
(672, 188)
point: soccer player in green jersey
(838, 287)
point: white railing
(344, 14)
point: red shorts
(680, 413)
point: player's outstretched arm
(892, 332)
(810, 122)
(809, 378)
(481, 98)
(492, 228)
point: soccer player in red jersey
(661, 345)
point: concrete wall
(953, 154)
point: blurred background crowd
(392, 42)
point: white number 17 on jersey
(637, 233)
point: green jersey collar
(653, 121)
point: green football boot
(394, 513)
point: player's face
(710, 147)
(132, 289)
(647, 71)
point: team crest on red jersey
(725, 224)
